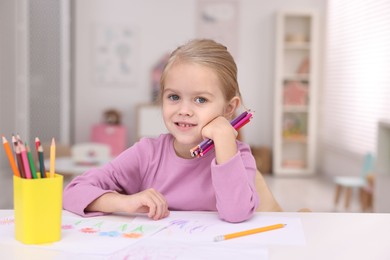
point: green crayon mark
(99, 224)
(123, 227)
(139, 229)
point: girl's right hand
(148, 201)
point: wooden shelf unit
(296, 83)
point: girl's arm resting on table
(234, 184)
(99, 191)
(148, 201)
(233, 172)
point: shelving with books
(294, 126)
(295, 92)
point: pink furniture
(113, 135)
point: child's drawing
(109, 228)
(188, 226)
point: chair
(349, 183)
(267, 201)
(90, 153)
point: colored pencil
(248, 232)
(39, 150)
(204, 151)
(37, 143)
(241, 124)
(210, 144)
(243, 121)
(31, 163)
(206, 145)
(26, 164)
(52, 157)
(18, 157)
(237, 119)
(41, 161)
(10, 157)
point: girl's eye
(200, 100)
(173, 97)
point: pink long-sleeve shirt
(197, 184)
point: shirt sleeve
(234, 184)
(84, 189)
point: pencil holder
(38, 209)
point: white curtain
(356, 91)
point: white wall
(161, 27)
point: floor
(314, 193)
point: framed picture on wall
(114, 55)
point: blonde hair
(211, 54)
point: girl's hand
(217, 127)
(148, 201)
(224, 137)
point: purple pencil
(238, 125)
(208, 144)
(243, 119)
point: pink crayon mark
(7, 221)
(67, 227)
(88, 230)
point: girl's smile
(184, 126)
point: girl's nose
(185, 109)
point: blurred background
(314, 71)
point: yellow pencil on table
(248, 232)
(52, 158)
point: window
(356, 90)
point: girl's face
(192, 97)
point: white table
(328, 236)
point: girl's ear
(231, 107)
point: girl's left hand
(224, 136)
(218, 127)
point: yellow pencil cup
(38, 209)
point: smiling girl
(199, 97)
